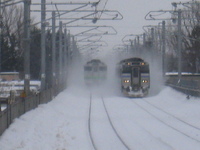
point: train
(95, 72)
(134, 77)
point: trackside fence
(188, 84)
(20, 106)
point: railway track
(172, 121)
(91, 124)
(187, 123)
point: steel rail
(170, 126)
(89, 124)
(110, 121)
(172, 115)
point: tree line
(12, 51)
(190, 32)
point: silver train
(135, 77)
(95, 72)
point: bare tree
(12, 37)
(13, 26)
(190, 36)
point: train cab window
(87, 68)
(102, 68)
(144, 69)
(95, 69)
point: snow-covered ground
(166, 121)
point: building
(9, 76)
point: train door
(135, 76)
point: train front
(95, 72)
(135, 78)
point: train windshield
(102, 68)
(136, 72)
(144, 69)
(87, 68)
(95, 69)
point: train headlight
(126, 81)
(145, 81)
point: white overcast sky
(133, 12)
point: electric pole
(1, 25)
(163, 47)
(43, 45)
(60, 52)
(179, 45)
(53, 49)
(65, 54)
(27, 4)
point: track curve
(91, 124)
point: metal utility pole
(27, 4)
(43, 45)
(1, 25)
(65, 52)
(53, 49)
(73, 47)
(179, 45)
(152, 38)
(138, 40)
(60, 52)
(144, 39)
(65, 41)
(163, 47)
(68, 50)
